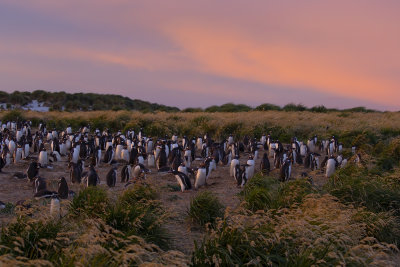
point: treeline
(230, 107)
(81, 101)
(58, 101)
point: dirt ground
(183, 234)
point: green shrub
(136, 212)
(91, 202)
(205, 208)
(13, 115)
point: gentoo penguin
(182, 168)
(92, 177)
(109, 155)
(32, 171)
(139, 170)
(237, 174)
(111, 177)
(330, 167)
(285, 170)
(234, 162)
(242, 179)
(55, 209)
(265, 165)
(39, 184)
(251, 167)
(200, 176)
(150, 160)
(344, 163)
(118, 151)
(11, 146)
(183, 180)
(43, 160)
(126, 173)
(18, 153)
(125, 154)
(75, 173)
(161, 159)
(2, 163)
(63, 188)
(188, 157)
(303, 150)
(140, 159)
(26, 150)
(98, 155)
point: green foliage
(137, 213)
(205, 208)
(264, 193)
(91, 202)
(294, 107)
(229, 107)
(29, 238)
(82, 101)
(13, 115)
(267, 106)
(353, 184)
(383, 225)
(319, 109)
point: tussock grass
(91, 202)
(205, 208)
(320, 231)
(264, 193)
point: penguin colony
(130, 156)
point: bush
(13, 115)
(264, 193)
(205, 208)
(353, 184)
(91, 202)
(136, 212)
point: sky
(188, 53)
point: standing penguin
(285, 170)
(55, 209)
(188, 157)
(32, 171)
(237, 174)
(150, 160)
(111, 177)
(265, 165)
(43, 160)
(92, 177)
(125, 154)
(183, 180)
(126, 173)
(330, 167)
(182, 168)
(234, 162)
(75, 173)
(98, 155)
(63, 188)
(200, 176)
(109, 155)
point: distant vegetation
(81, 101)
(58, 101)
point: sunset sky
(200, 53)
